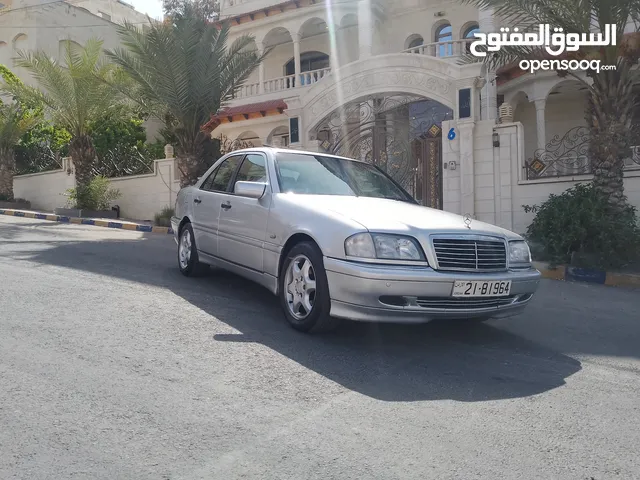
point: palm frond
(184, 68)
(14, 123)
(75, 91)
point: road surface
(114, 366)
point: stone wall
(141, 195)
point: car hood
(383, 215)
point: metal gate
(401, 134)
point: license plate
(464, 288)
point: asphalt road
(114, 366)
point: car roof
(275, 150)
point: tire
(305, 309)
(188, 261)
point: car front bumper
(387, 293)
(175, 224)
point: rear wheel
(188, 261)
(304, 290)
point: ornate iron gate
(401, 134)
(428, 155)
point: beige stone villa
(385, 84)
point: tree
(611, 100)
(14, 123)
(185, 72)
(73, 94)
(206, 9)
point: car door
(206, 204)
(243, 221)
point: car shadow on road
(438, 360)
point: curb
(575, 274)
(85, 221)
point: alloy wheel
(300, 282)
(184, 250)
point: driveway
(115, 366)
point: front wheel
(188, 253)
(304, 290)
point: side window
(206, 185)
(223, 174)
(252, 170)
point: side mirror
(250, 189)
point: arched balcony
(303, 52)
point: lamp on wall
(496, 139)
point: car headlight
(519, 253)
(383, 246)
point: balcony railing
(248, 90)
(283, 83)
(277, 84)
(451, 49)
(569, 156)
(444, 50)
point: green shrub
(577, 224)
(155, 150)
(41, 149)
(163, 218)
(98, 195)
(5, 198)
(109, 132)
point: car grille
(453, 303)
(464, 303)
(470, 255)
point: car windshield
(320, 175)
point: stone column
(486, 24)
(296, 59)
(467, 179)
(540, 124)
(365, 28)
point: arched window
(470, 30)
(416, 42)
(19, 41)
(309, 61)
(444, 33)
(468, 34)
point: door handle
(197, 200)
(226, 206)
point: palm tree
(14, 123)
(611, 100)
(184, 71)
(74, 94)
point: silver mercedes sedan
(336, 238)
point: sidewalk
(98, 222)
(574, 274)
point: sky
(153, 8)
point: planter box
(590, 275)
(16, 205)
(74, 212)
